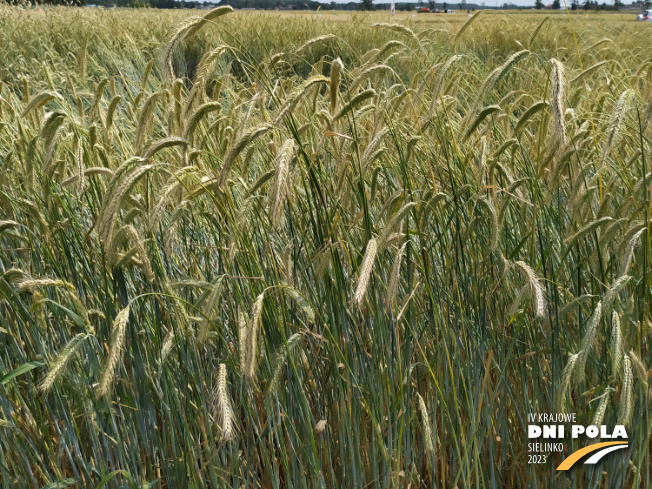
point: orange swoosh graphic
(575, 456)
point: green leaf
(60, 484)
(73, 315)
(26, 367)
(107, 478)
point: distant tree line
(314, 5)
(290, 5)
(163, 4)
(586, 5)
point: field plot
(278, 250)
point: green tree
(574, 5)
(538, 4)
(367, 5)
(556, 5)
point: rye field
(279, 250)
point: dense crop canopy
(280, 251)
